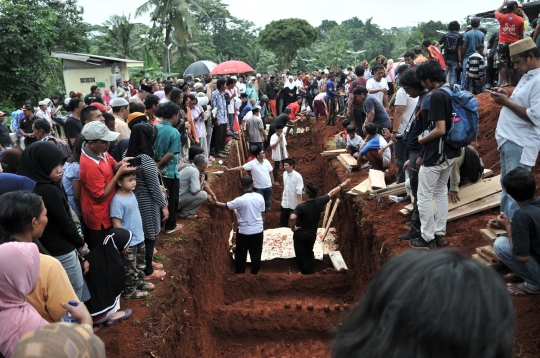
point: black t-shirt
(73, 127)
(282, 119)
(493, 41)
(26, 124)
(381, 118)
(526, 230)
(309, 213)
(415, 129)
(452, 41)
(91, 97)
(439, 109)
(5, 139)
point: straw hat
(521, 46)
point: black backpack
(472, 168)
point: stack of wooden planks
(348, 160)
(375, 184)
(485, 254)
(333, 153)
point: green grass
(135, 322)
(149, 300)
(176, 240)
(216, 164)
(330, 143)
(161, 258)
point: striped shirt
(475, 66)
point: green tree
(123, 38)
(69, 25)
(285, 37)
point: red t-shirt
(94, 177)
(295, 108)
(511, 26)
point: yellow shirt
(121, 127)
(53, 287)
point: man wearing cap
(93, 96)
(511, 30)
(25, 125)
(120, 108)
(98, 179)
(5, 140)
(518, 128)
(250, 234)
(471, 39)
(260, 169)
(293, 184)
(331, 96)
(304, 222)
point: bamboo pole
(330, 219)
(241, 147)
(327, 211)
(246, 146)
(239, 159)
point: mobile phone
(134, 162)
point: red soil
(203, 309)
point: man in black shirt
(93, 96)
(74, 124)
(280, 120)
(25, 125)
(437, 157)
(520, 249)
(305, 222)
(5, 139)
(452, 42)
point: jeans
(510, 159)
(253, 244)
(267, 195)
(70, 263)
(450, 72)
(433, 183)
(475, 85)
(400, 156)
(413, 179)
(173, 189)
(303, 250)
(464, 85)
(529, 271)
(230, 117)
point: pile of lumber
(348, 161)
(333, 153)
(474, 198)
(485, 254)
(375, 184)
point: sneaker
(440, 241)
(422, 244)
(176, 228)
(411, 235)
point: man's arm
(116, 223)
(370, 116)
(438, 131)
(398, 117)
(233, 169)
(280, 138)
(499, 9)
(501, 97)
(292, 221)
(463, 51)
(332, 193)
(164, 160)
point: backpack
(472, 168)
(465, 121)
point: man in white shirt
(367, 71)
(250, 234)
(377, 86)
(354, 141)
(293, 184)
(260, 169)
(300, 90)
(278, 143)
(518, 128)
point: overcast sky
(386, 14)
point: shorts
(503, 56)
(353, 148)
(377, 156)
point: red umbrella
(231, 67)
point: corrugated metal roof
(92, 59)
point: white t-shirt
(292, 187)
(280, 151)
(241, 87)
(371, 83)
(249, 207)
(403, 99)
(232, 92)
(357, 141)
(298, 83)
(260, 173)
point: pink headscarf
(106, 97)
(19, 271)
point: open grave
(202, 309)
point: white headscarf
(288, 84)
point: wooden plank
(333, 153)
(349, 159)
(489, 251)
(337, 260)
(363, 187)
(498, 232)
(390, 190)
(486, 203)
(405, 212)
(485, 256)
(377, 179)
(488, 235)
(343, 162)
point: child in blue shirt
(371, 149)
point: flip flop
(146, 286)
(155, 252)
(127, 314)
(155, 275)
(521, 290)
(156, 265)
(135, 295)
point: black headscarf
(38, 160)
(106, 278)
(141, 140)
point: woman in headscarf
(24, 217)
(106, 278)
(42, 162)
(251, 90)
(106, 97)
(148, 191)
(390, 77)
(289, 91)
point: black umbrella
(199, 68)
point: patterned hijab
(19, 272)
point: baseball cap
(119, 102)
(100, 106)
(96, 130)
(512, 5)
(246, 181)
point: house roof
(532, 9)
(94, 59)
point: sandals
(512, 278)
(146, 286)
(520, 290)
(127, 314)
(137, 294)
(156, 265)
(155, 275)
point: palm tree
(123, 38)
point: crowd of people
(84, 198)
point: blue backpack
(465, 122)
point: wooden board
(498, 232)
(405, 212)
(485, 256)
(348, 160)
(473, 192)
(486, 203)
(363, 187)
(488, 235)
(377, 179)
(397, 189)
(489, 251)
(333, 153)
(337, 260)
